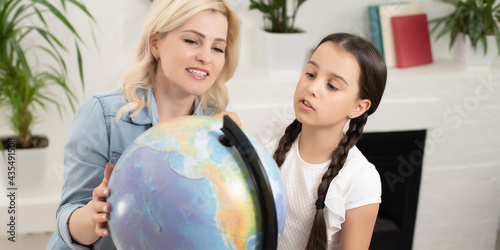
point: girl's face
(191, 56)
(327, 92)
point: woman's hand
(231, 115)
(90, 222)
(100, 206)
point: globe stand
(234, 136)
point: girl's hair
(372, 79)
(164, 16)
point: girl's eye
(310, 75)
(331, 87)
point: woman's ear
(361, 107)
(153, 45)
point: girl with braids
(333, 192)
(187, 51)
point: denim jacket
(95, 138)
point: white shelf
(258, 96)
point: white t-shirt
(357, 184)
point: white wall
(120, 21)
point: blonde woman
(188, 49)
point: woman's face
(191, 56)
(327, 92)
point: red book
(411, 40)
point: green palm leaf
(25, 82)
(276, 12)
(475, 19)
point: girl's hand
(100, 207)
(231, 115)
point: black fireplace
(398, 158)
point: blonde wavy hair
(164, 16)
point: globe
(178, 186)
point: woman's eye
(190, 41)
(219, 50)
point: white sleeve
(363, 188)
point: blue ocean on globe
(177, 187)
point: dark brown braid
(318, 237)
(291, 133)
(372, 79)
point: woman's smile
(198, 73)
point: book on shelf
(386, 12)
(411, 40)
(375, 30)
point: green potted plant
(282, 46)
(31, 66)
(473, 23)
(279, 15)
